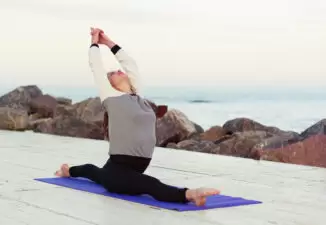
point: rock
(214, 133)
(13, 119)
(20, 97)
(280, 138)
(64, 101)
(174, 126)
(291, 135)
(33, 124)
(65, 110)
(198, 128)
(98, 119)
(70, 126)
(245, 124)
(317, 128)
(241, 144)
(221, 139)
(172, 145)
(43, 126)
(44, 105)
(279, 141)
(90, 110)
(34, 116)
(310, 152)
(194, 145)
(196, 135)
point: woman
(132, 134)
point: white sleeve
(100, 75)
(130, 67)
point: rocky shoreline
(28, 108)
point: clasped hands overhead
(99, 37)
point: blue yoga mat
(216, 201)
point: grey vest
(131, 126)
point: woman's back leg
(126, 181)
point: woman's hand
(95, 33)
(101, 37)
(104, 39)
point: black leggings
(124, 175)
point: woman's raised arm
(100, 75)
(127, 63)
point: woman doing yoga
(132, 133)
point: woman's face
(119, 80)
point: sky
(174, 42)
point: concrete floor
(290, 194)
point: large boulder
(214, 133)
(69, 126)
(89, 110)
(65, 110)
(13, 119)
(245, 144)
(199, 128)
(83, 119)
(246, 124)
(243, 124)
(34, 116)
(20, 97)
(174, 126)
(242, 144)
(317, 128)
(64, 101)
(278, 141)
(195, 145)
(280, 137)
(311, 152)
(44, 105)
(33, 124)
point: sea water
(287, 108)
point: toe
(208, 192)
(64, 166)
(213, 192)
(200, 201)
(58, 173)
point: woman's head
(120, 81)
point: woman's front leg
(88, 171)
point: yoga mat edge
(212, 202)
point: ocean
(287, 108)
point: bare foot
(198, 196)
(63, 171)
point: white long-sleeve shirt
(100, 74)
